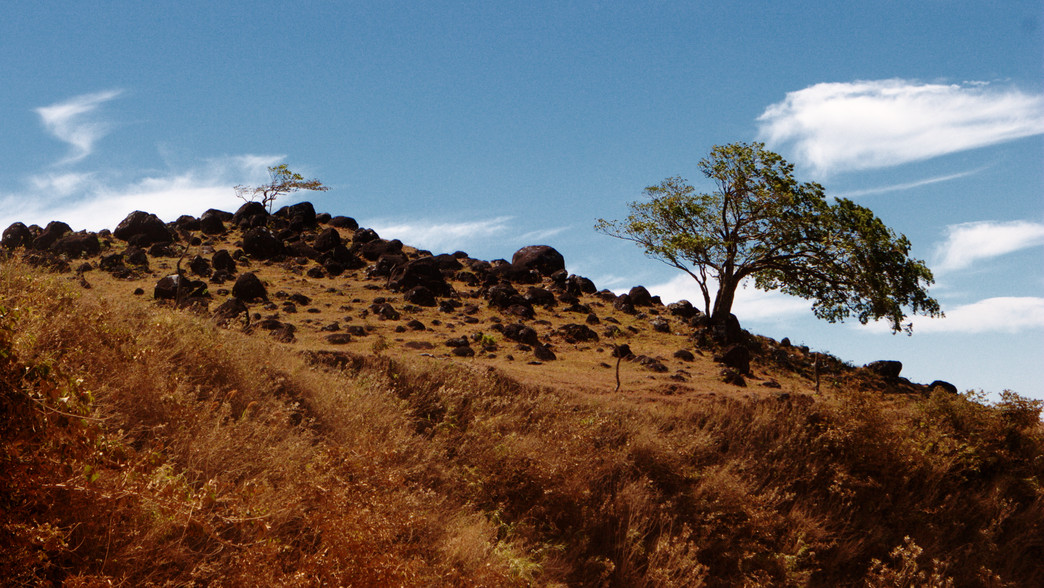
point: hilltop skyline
(486, 128)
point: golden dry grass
(144, 445)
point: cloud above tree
(837, 127)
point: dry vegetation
(143, 445)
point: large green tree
(760, 223)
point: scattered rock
(945, 386)
(574, 333)
(521, 333)
(543, 353)
(248, 287)
(684, 355)
(339, 338)
(885, 368)
(736, 357)
(229, 310)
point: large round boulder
(143, 228)
(17, 235)
(542, 258)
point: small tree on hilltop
(761, 223)
(283, 181)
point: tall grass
(147, 446)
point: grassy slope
(144, 445)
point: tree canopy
(760, 223)
(283, 181)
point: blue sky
(487, 126)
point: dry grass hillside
(375, 415)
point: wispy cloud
(95, 201)
(870, 124)
(1006, 314)
(70, 121)
(967, 243)
(908, 185)
(441, 236)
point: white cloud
(1005, 314)
(870, 124)
(94, 202)
(750, 304)
(440, 236)
(70, 122)
(967, 243)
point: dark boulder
(213, 222)
(684, 355)
(574, 333)
(944, 386)
(543, 353)
(683, 309)
(373, 250)
(542, 258)
(522, 334)
(301, 214)
(222, 261)
(77, 244)
(885, 368)
(448, 262)
(344, 222)
(364, 236)
(17, 235)
(651, 363)
(49, 236)
(540, 297)
(143, 229)
(248, 287)
(260, 243)
(660, 325)
(200, 266)
(187, 222)
(327, 240)
(421, 296)
(736, 357)
(175, 287)
(578, 285)
(229, 310)
(384, 311)
(639, 296)
(136, 256)
(419, 272)
(623, 304)
(250, 215)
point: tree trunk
(723, 300)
